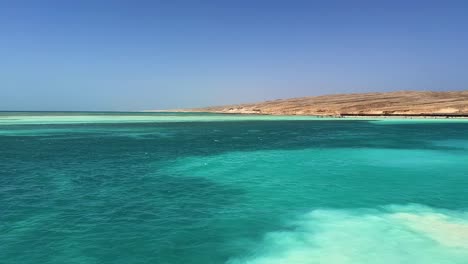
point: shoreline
(149, 113)
(338, 116)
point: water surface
(207, 188)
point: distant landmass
(402, 103)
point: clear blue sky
(134, 55)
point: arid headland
(402, 103)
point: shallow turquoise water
(205, 188)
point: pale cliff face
(394, 103)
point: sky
(137, 55)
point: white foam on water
(395, 234)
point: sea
(201, 188)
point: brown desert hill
(402, 103)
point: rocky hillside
(411, 103)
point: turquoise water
(205, 188)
